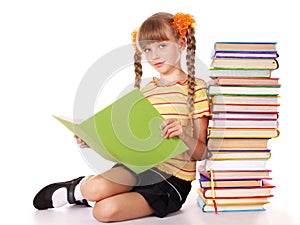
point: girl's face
(164, 56)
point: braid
(138, 68)
(190, 62)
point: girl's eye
(162, 45)
(146, 50)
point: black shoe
(43, 199)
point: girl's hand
(171, 128)
(80, 142)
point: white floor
(24, 174)
(189, 215)
(18, 189)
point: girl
(120, 194)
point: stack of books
(244, 116)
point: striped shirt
(171, 102)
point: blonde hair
(157, 28)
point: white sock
(91, 203)
(78, 196)
(59, 197)
(77, 192)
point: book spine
(243, 103)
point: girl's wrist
(183, 136)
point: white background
(46, 48)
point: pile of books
(244, 116)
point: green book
(128, 131)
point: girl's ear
(182, 44)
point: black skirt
(163, 192)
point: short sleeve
(201, 101)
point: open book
(128, 131)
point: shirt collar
(164, 82)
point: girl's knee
(92, 187)
(106, 211)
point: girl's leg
(113, 201)
(125, 206)
(77, 191)
(114, 181)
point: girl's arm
(197, 143)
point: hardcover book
(217, 144)
(236, 174)
(243, 63)
(234, 201)
(239, 81)
(243, 132)
(211, 208)
(235, 123)
(242, 72)
(243, 108)
(245, 54)
(234, 164)
(245, 115)
(207, 183)
(238, 192)
(128, 131)
(245, 46)
(244, 90)
(240, 155)
(243, 99)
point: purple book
(245, 54)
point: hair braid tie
(181, 22)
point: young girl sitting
(119, 194)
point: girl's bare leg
(115, 181)
(113, 201)
(122, 207)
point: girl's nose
(154, 54)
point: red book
(244, 108)
(239, 192)
(237, 174)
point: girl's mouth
(158, 64)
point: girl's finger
(175, 129)
(167, 122)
